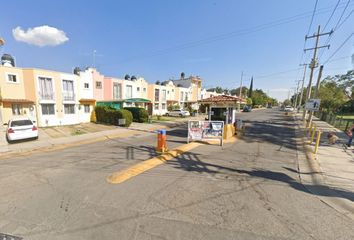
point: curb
(311, 177)
(54, 147)
(139, 168)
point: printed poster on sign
(195, 130)
(205, 130)
(214, 130)
(313, 105)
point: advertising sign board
(313, 104)
(205, 130)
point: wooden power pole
(314, 61)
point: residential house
(189, 91)
(55, 95)
(13, 99)
(86, 97)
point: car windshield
(19, 123)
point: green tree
(259, 97)
(287, 102)
(250, 92)
(216, 89)
(249, 101)
(332, 95)
(236, 91)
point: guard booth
(223, 108)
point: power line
(278, 73)
(313, 15)
(335, 52)
(340, 18)
(224, 36)
(308, 31)
(330, 17)
(339, 24)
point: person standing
(350, 133)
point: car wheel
(180, 115)
(167, 114)
(8, 140)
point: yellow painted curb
(231, 140)
(139, 168)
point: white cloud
(40, 36)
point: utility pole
(314, 62)
(297, 93)
(316, 91)
(239, 105)
(302, 86)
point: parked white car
(178, 113)
(288, 109)
(21, 128)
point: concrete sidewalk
(46, 141)
(332, 167)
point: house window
(46, 88)
(182, 96)
(16, 109)
(156, 106)
(69, 108)
(47, 109)
(117, 91)
(157, 95)
(163, 95)
(12, 78)
(68, 90)
(98, 85)
(128, 91)
(168, 92)
(163, 106)
(86, 86)
(87, 108)
(144, 89)
(173, 90)
(138, 89)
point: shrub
(139, 114)
(127, 115)
(110, 115)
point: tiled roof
(13, 100)
(87, 100)
(221, 98)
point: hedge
(139, 114)
(110, 115)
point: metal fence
(336, 121)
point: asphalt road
(245, 190)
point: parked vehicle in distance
(288, 109)
(178, 113)
(21, 128)
(247, 109)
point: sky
(158, 39)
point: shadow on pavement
(191, 162)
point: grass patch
(346, 116)
(77, 132)
(160, 118)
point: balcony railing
(46, 96)
(69, 96)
